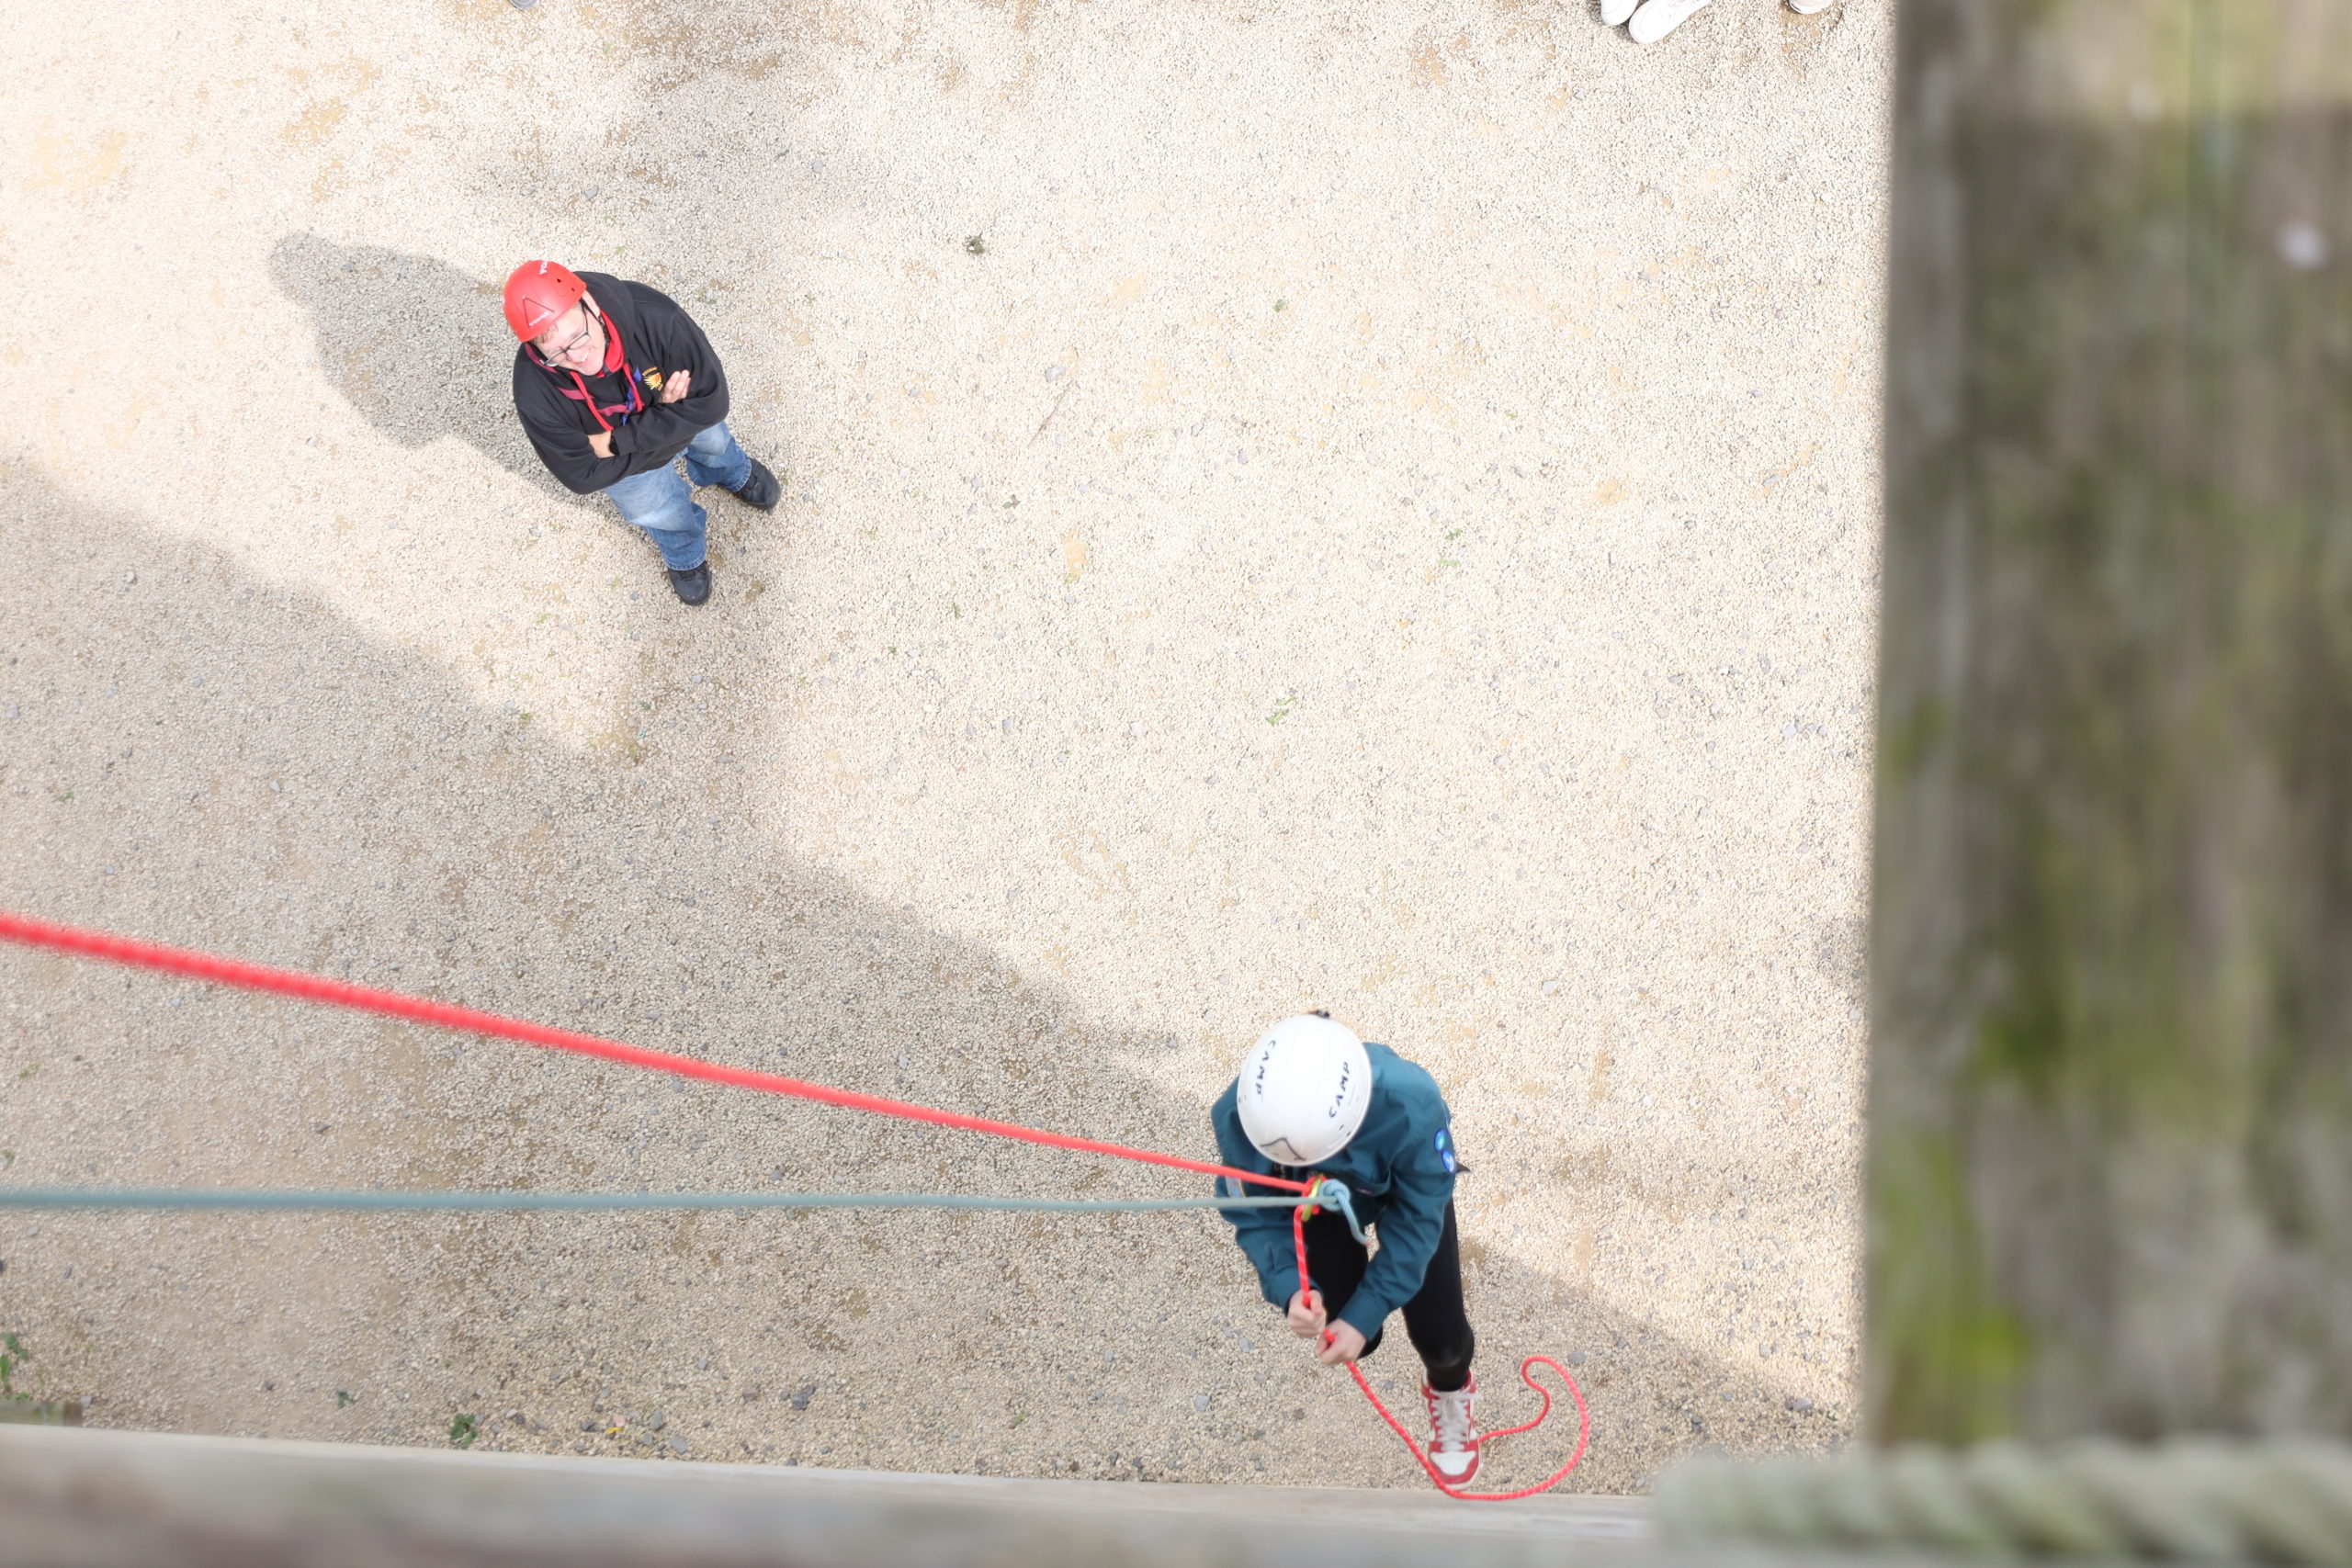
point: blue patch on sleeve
(1445, 1149)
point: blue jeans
(663, 505)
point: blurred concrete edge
(99, 1499)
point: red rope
(361, 998)
(337, 993)
(1584, 1415)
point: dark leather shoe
(693, 587)
(760, 490)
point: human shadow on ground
(419, 347)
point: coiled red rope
(1584, 1415)
(391, 1004)
(138, 955)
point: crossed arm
(672, 389)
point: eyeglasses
(587, 328)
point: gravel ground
(1364, 507)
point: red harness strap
(616, 359)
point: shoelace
(1450, 1414)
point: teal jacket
(1400, 1167)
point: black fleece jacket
(660, 338)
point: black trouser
(1435, 1319)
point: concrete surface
(1360, 506)
(149, 1500)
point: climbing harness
(1324, 1191)
(1303, 1198)
(616, 359)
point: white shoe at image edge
(1614, 12)
(1659, 17)
(1454, 1431)
(1810, 7)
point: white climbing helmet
(1303, 1089)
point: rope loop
(1332, 1193)
(1584, 1415)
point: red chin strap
(613, 353)
(616, 359)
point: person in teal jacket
(1312, 1100)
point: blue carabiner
(1331, 1194)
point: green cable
(398, 1202)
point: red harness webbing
(616, 359)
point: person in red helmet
(612, 382)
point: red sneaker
(1454, 1431)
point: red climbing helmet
(537, 293)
